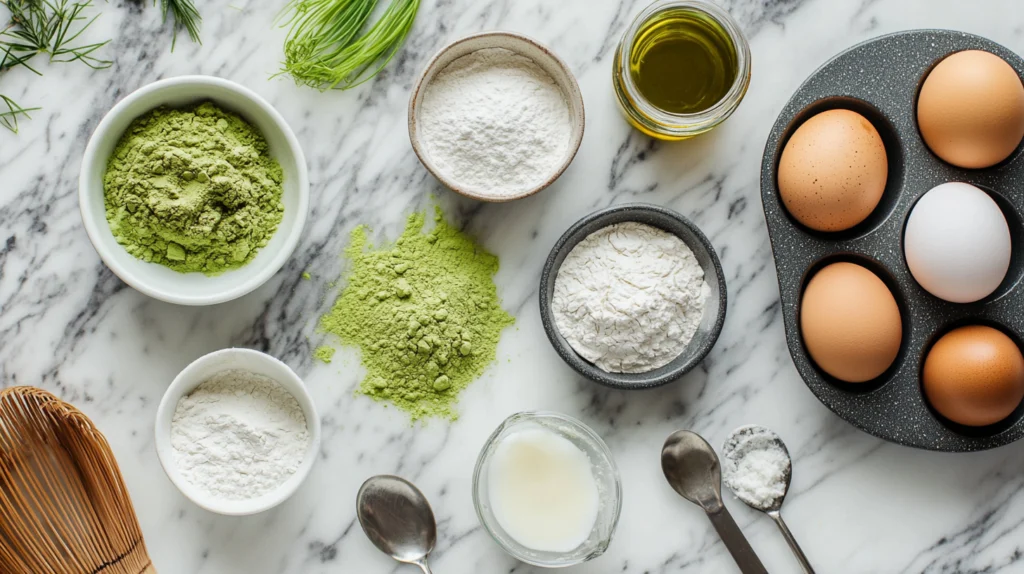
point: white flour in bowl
(495, 122)
(629, 298)
(238, 435)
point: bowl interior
(159, 281)
(605, 473)
(524, 47)
(714, 310)
(195, 374)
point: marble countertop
(69, 325)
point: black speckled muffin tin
(880, 79)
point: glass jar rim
(726, 103)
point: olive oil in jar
(683, 61)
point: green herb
(43, 27)
(324, 48)
(185, 16)
(9, 117)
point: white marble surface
(68, 325)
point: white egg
(957, 243)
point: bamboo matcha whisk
(64, 508)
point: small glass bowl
(656, 122)
(605, 472)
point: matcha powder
(425, 314)
(194, 189)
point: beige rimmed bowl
(523, 46)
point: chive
(324, 48)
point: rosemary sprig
(324, 48)
(9, 117)
(185, 16)
(43, 27)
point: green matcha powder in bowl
(194, 190)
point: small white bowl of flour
(496, 116)
(237, 432)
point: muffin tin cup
(881, 79)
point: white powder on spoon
(238, 435)
(496, 122)
(756, 466)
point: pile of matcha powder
(194, 189)
(424, 312)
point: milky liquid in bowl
(554, 551)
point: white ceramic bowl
(154, 279)
(523, 46)
(199, 371)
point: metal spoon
(691, 467)
(397, 518)
(745, 440)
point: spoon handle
(423, 566)
(800, 556)
(737, 544)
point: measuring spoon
(744, 440)
(692, 469)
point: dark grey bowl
(880, 79)
(714, 311)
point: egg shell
(974, 376)
(957, 243)
(833, 170)
(850, 323)
(971, 109)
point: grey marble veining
(68, 325)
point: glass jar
(662, 124)
(605, 473)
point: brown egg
(974, 376)
(971, 109)
(850, 323)
(833, 171)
